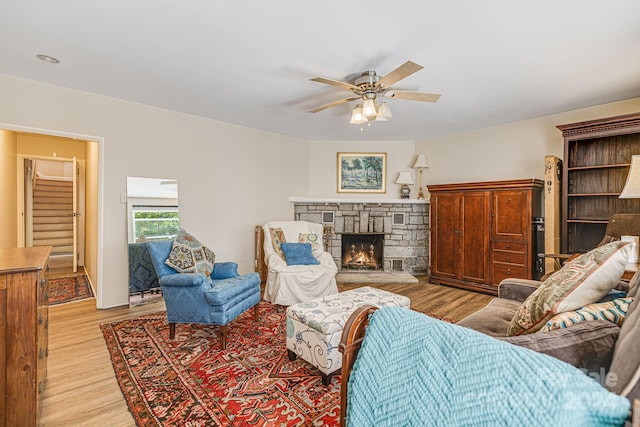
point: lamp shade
(404, 178)
(421, 162)
(357, 117)
(369, 108)
(631, 188)
(384, 113)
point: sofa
(588, 346)
(604, 351)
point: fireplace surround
(401, 224)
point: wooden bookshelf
(597, 157)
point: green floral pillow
(614, 311)
(188, 255)
(314, 238)
(581, 281)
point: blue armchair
(193, 298)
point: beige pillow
(277, 237)
(581, 281)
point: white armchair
(291, 284)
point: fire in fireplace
(362, 251)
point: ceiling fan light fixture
(384, 113)
(357, 117)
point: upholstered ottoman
(314, 327)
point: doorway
(44, 144)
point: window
(154, 222)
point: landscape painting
(362, 172)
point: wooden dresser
(483, 232)
(23, 333)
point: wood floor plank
(81, 388)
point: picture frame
(362, 172)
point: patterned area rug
(191, 381)
(67, 289)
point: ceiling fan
(369, 86)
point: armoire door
(445, 221)
(474, 236)
(510, 215)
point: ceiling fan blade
(413, 96)
(333, 104)
(338, 83)
(403, 71)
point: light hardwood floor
(81, 389)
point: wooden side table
(630, 270)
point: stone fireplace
(362, 251)
(400, 228)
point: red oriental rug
(191, 382)
(67, 289)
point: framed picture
(362, 172)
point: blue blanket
(414, 370)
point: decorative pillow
(581, 281)
(188, 255)
(298, 254)
(277, 238)
(588, 345)
(313, 238)
(613, 311)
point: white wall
(231, 177)
(323, 167)
(512, 151)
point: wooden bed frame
(351, 341)
(352, 336)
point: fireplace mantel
(295, 199)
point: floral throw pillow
(581, 281)
(614, 311)
(188, 255)
(314, 238)
(277, 238)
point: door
(75, 213)
(474, 236)
(510, 216)
(445, 220)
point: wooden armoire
(483, 232)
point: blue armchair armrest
(184, 279)
(224, 270)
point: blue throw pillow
(298, 254)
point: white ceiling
(249, 62)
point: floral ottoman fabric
(314, 327)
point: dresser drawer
(510, 246)
(502, 271)
(517, 258)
